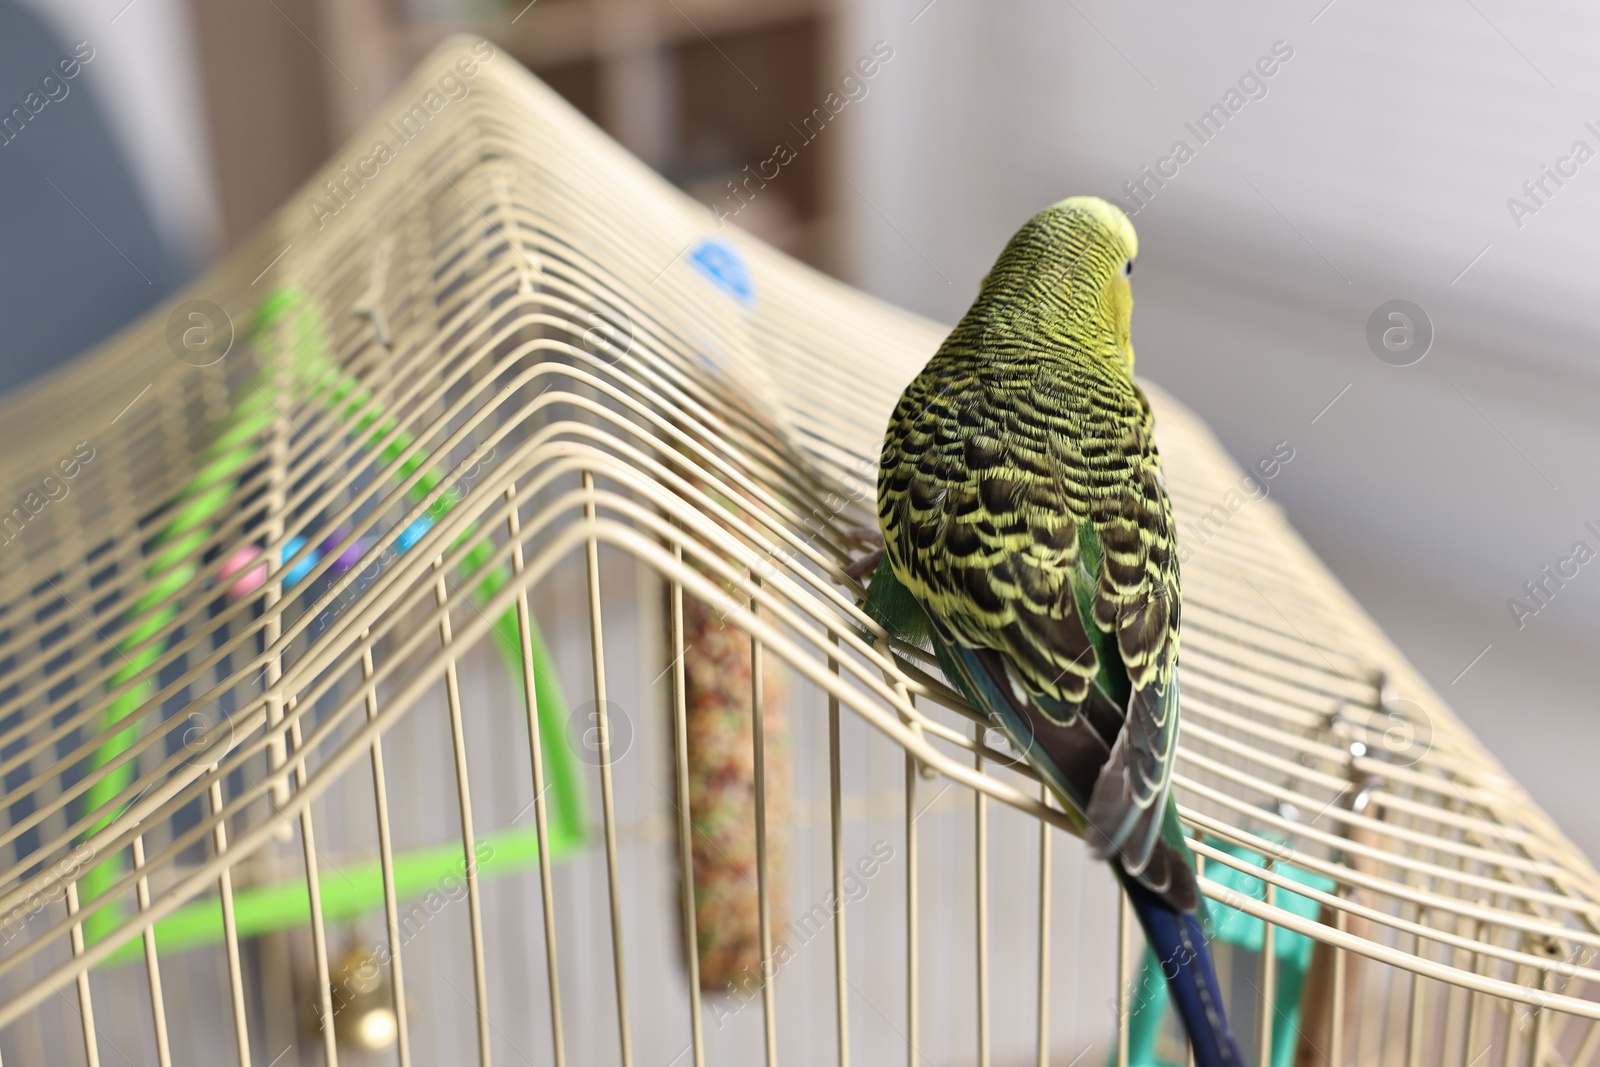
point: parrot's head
(1067, 271)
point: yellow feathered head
(1066, 275)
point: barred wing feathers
(1027, 513)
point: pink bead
(252, 580)
(235, 563)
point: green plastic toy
(1151, 1005)
(356, 889)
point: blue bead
(413, 533)
(724, 267)
(301, 569)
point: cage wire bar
(537, 391)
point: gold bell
(362, 1000)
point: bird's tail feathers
(1127, 806)
(1120, 825)
(1178, 940)
(1169, 874)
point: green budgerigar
(1028, 535)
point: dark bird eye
(1127, 269)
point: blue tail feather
(1068, 755)
(1180, 946)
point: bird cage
(428, 639)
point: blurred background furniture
(71, 215)
(671, 79)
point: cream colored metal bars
(489, 384)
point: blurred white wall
(145, 76)
(1377, 165)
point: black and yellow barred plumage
(1022, 503)
(1028, 536)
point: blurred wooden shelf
(559, 32)
(670, 79)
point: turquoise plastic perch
(1152, 1003)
